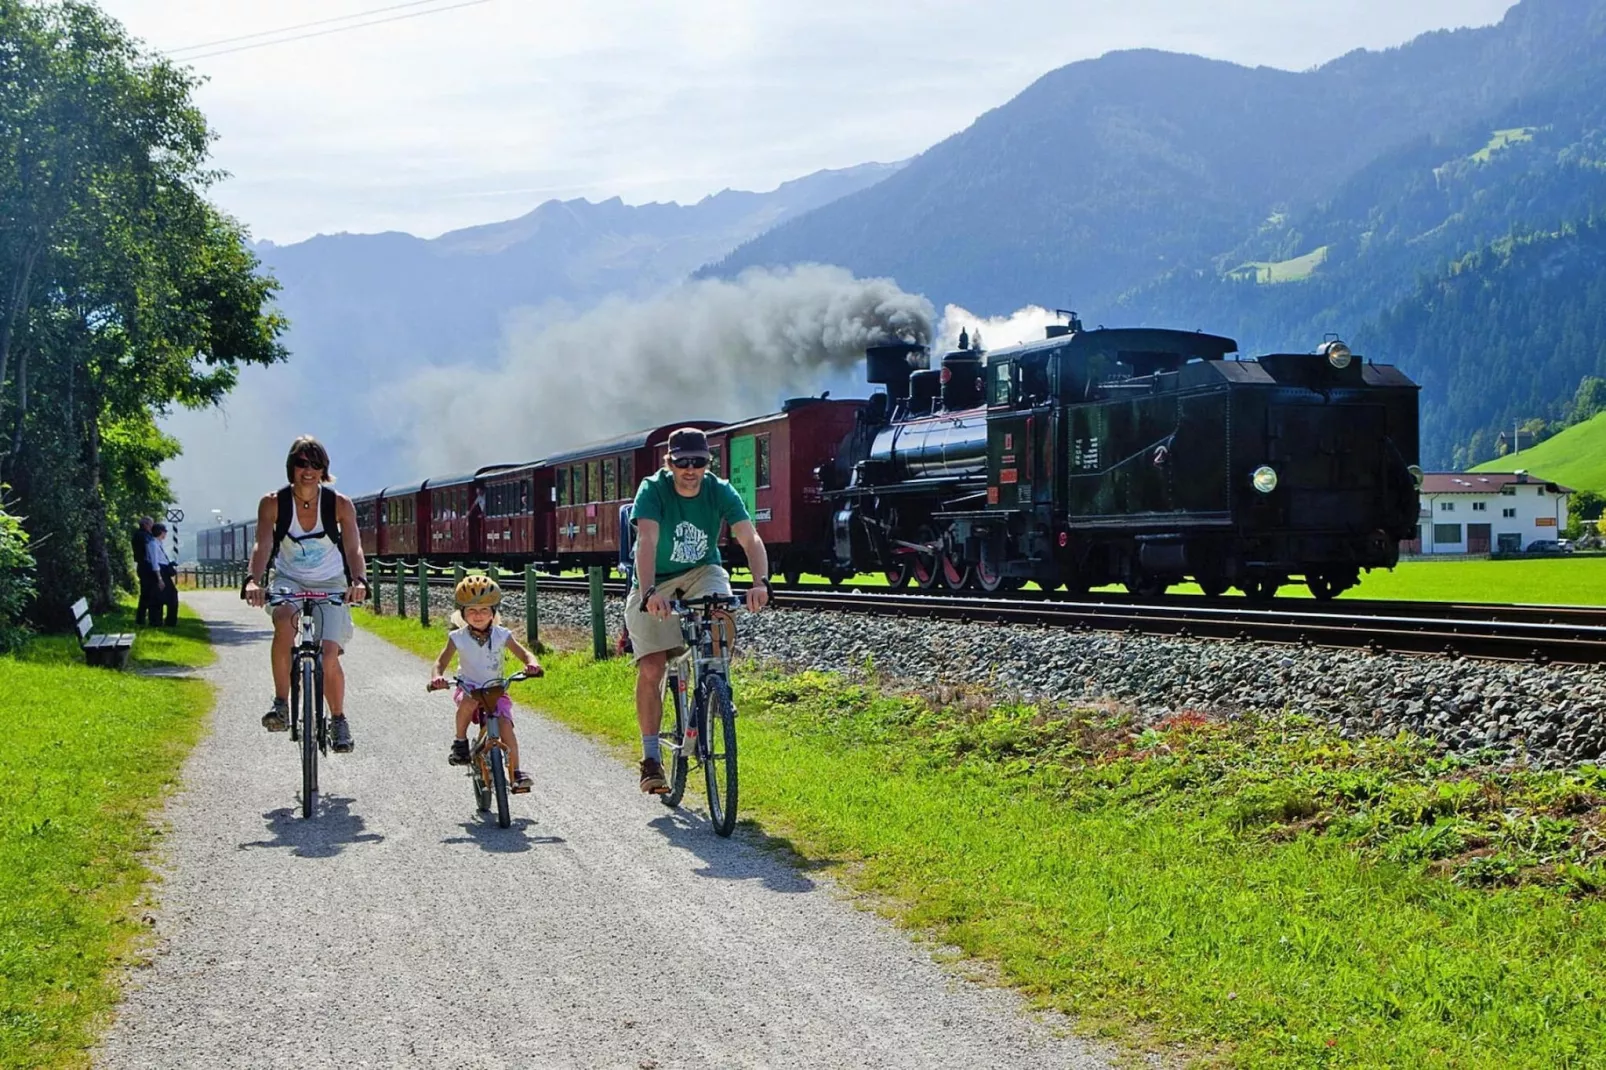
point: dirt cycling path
(398, 929)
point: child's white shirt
(480, 663)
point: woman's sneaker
(459, 753)
(521, 782)
(277, 719)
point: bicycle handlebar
(488, 685)
(282, 598)
(727, 601)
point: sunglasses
(690, 462)
(306, 462)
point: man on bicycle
(678, 513)
(309, 531)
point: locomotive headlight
(1416, 475)
(1338, 354)
(1264, 479)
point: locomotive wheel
(955, 577)
(1212, 586)
(1261, 590)
(898, 574)
(927, 568)
(1147, 586)
(1326, 586)
(990, 580)
(792, 576)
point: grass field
(85, 757)
(1275, 271)
(1575, 458)
(1264, 894)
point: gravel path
(362, 938)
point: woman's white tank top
(480, 663)
(308, 557)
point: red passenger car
(454, 512)
(519, 526)
(770, 461)
(367, 507)
(399, 510)
(593, 482)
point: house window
(1447, 507)
(1539, 491)
(1480, 507)
(1509, 491)
(1447, 533)
(1509, 513)
(762, 461)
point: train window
(563, 486)
(716, 459)
(593, 480)
(610, 479)
(761, 461)
(627, 476)
(1001, 385)
(524, 497)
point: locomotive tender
(1137, 456)
(1134, 456)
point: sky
(482, 110)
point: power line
(337, 29)
(298, 26)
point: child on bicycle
(477, 641)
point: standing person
(308, 530)
(167, 575)
(149, 607)
(678, 513)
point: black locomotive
(1135, 456)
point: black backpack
(327, 509)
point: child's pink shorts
(504, 707)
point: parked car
(1550, 546)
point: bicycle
(709, 628)
(487, 755)
(308, 725)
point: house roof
(1483, 482)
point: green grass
(1271, 272)
(1575, 458)
(85, 757)
(1263, 892)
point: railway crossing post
(401, 589)
(532, 615)
(423, 593)
(599, 619)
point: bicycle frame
(709, 636)
(487, 755)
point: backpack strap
(328, 506)
(281, 520)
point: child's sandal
(521, 782)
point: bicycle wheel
(478, 777)
(309, 742)
(672, 742)
(499, 782)
(719, 726)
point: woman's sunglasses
(306, 462)
(690, 462)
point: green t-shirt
(688, 528)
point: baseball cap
(688, 442)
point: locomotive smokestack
(892, 364)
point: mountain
(1271, 205)
(379, 303)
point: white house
(1479, 512)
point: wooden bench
(107, 650)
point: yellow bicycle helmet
(478, 591)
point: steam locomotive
(1142, 457)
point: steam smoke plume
(1023, 325)
(712, 349)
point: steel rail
(1493, 631)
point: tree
(1589, 400)
(125, 292)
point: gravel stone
(1550, 716)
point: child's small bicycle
(487, 755)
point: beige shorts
(652, 635)
(331, 624)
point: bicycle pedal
(517, 789)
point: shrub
(16, 580)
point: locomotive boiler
(1141, 456)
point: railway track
(1507, 632)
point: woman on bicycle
(309, 532)
(477, 641)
